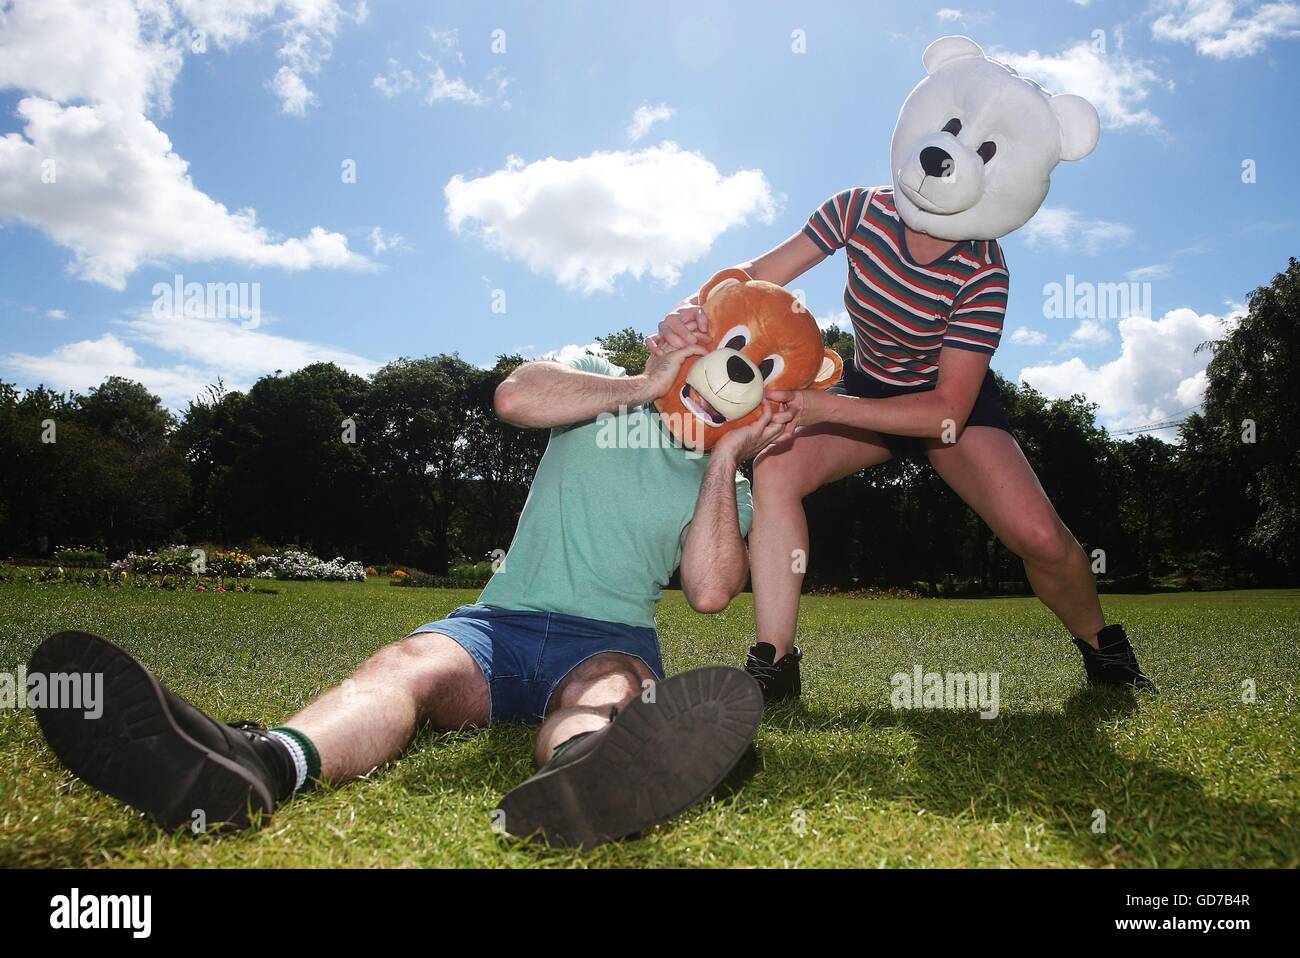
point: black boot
(1114, 663)
(779, 680)
(152, 749)
(652, 762)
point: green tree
(1252, 405)
(417, 426)
(626, 348)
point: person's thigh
(441, 677)
(819, 454)
(988, 470)
(604, 680)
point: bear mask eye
(771, 366)
(953, 126)
(736, 338)
(986, 150)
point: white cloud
(954, 15)
(1115, 84)
(396, 81)
(306, 28)
(111, 51)
(81, 365)
(572, 351)
(381, 242)
(55, 314)
(445, 87)
(1087, 334)
(838, 320)
(1227, 28)
(590, 220)
(437, 84)
(1068, 230)
(293, 92)
(121, 198)
(645, 117)
(1157, 374)
(1147, 273)
(128, 53)
(1024, 336)
(199, 350)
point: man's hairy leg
(583, 700)
(426, 678)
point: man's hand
(664, 364)
(807, 407)
(685, 325)
(743, 444)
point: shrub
(80, 556)
(293, 564)
(464, 579)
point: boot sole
(135, 751)
(655, 761)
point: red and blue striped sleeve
(978, 311)
(829, 225)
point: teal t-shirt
(600, 534)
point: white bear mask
(976, 143)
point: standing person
(927, 289)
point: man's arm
(715, 561)
(543, 394)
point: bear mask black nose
(738, 370)
(935, 162)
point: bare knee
(779, 474)
(610, 679)
(1046, 542)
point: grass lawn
(1194, 777)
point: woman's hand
(807, 407)
(686, 324)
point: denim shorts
(987, 410)
(525, 655)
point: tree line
(410, 465)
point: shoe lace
(1120, 659)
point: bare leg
(783, 475)
(583, 699)
(426, 678)
(988, 470)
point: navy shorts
(525, 655)
(987, 410)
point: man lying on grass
(563, 635)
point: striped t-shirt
(904, 313)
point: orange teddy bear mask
(762, 338)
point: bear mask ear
(832, 369)
(946, 49)
(726, 277)
(1080, 125)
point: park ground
(1198, 776)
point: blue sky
(498, 161)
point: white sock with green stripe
(306, 760)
